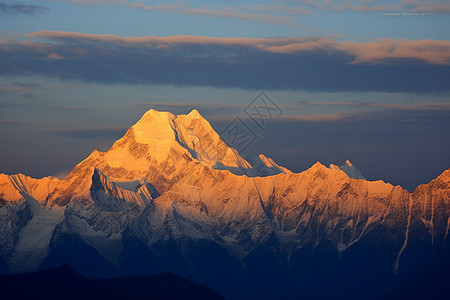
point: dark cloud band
(16, 9)
(312, 64)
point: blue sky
(233, 18)
(75, 74)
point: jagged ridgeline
(172, 196)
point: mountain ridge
(198, 206)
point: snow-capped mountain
(171, 195)
(162, 148)
(350, 169)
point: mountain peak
(173, 144)
(351, 170)
(156, 113)
(195, 114)
(154, 126)
(317, 165)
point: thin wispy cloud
(222, 112)
(276, 12)
(17, 9)
(186, 107)
(48, 106)
(261, 13)
(429, 6)
(19, 88)
(14, 122)
(351, 104)
(410, 106)
(90, 133)
(22, 122)
(14, 90)
(362, 114)
(233, 14)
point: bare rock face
(170, 195)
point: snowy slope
(173, 189)
(162, 148)
(350, 169)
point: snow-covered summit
(350, 169)
(162, 148)
(195, 114)
(170, 190)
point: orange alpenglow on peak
(194, 113)
(172, 178)
(167, 146)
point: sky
(367, 81)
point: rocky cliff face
(172, 196)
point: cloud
(431, 51)
(351, 104)
(16, 9)
(263, 18)
(300, 7)
(319, 118)
(365, 112)
(14, 90)
(21, 122)
(183, 108)
(21, 88)
(261, 13)
(413, 106)
(57, 107)
(15, 122)
(429, 6)
(312, 63)
(55, 56)
(47, 106)
(91, 133)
